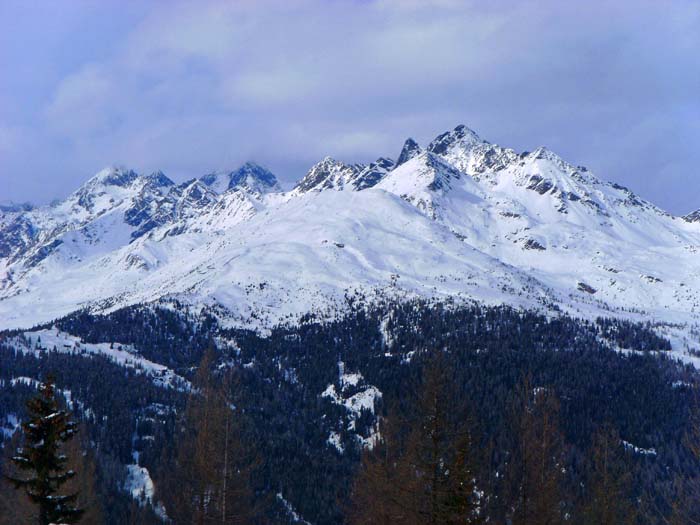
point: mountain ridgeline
(235, 352)
(460, 218)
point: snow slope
(53, 340)
(460, 218)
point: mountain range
(460, 218)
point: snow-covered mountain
(460, 217)
(251, 177)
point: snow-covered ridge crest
(460, 218)
(250, 177)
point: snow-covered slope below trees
(460, 218)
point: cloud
(193, 86)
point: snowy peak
(461, 136)
(373, 174)
(692, 217)
(157, 179)
(111, 186)
(410, 150)
(329, 174)
(111, 181)
(255, 178)
(249, 177)
(112, 176)
(463, 218)
(421, 179)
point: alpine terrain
(460, 218)
(233, 352)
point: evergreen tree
(536, 465)
(609, 482)
(212, 475)
(379, 493)
(684, 496)
(81, 460)
(15, 507)
(41, 457)
(424, 470)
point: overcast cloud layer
(191, 87)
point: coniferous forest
(399, 413)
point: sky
(191, 87)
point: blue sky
(188, 87)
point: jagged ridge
(463, 218)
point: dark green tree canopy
(42, 461)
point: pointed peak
(373, 174)
(254, 177)
(158, 178)
(250, 176)
(329, 173)
(113, 176)
(461, 135)
(326, 161)
(692, 216)
(544, 153)
(410, 149)
(461, 131)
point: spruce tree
(424, 469)
(211, 481)
(609, 487)
(535, 468)
(47, 428)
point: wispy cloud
(191, 86)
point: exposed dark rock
(373, 174)
(692, 217)
(539, 184)
(583, 287)
(410, 150)
(532, 244)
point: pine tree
(535, 468)
(382, 492)
(684, 497)
(82, 461)
(609, 484)
(15, 507)
(47, 429)
(213, 464)
(440, 454)
(423, 471)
